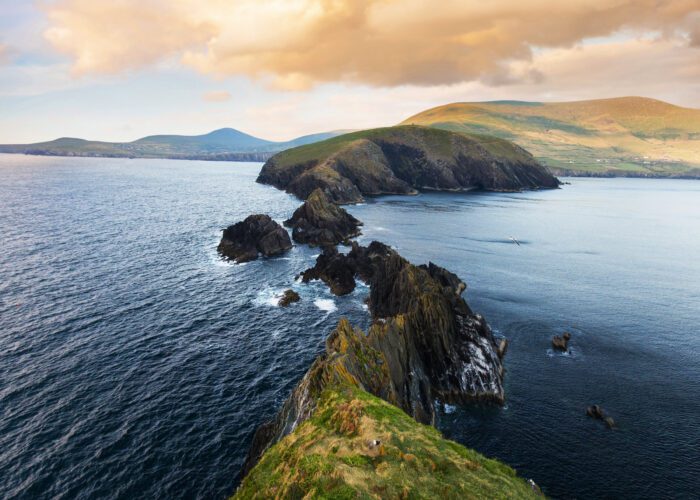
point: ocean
(135, 363)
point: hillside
(402, 160)
(222, 144)
(623, 136)
(357, 446)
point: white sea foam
(327, 305)
(268, 297)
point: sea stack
(320, 222)
(257, 234)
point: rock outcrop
(320, 222)
(561, 343)
(257, 234)
(403, 160)
(425, 343)
(288, 297)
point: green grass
(412, 460)
(437, 141)
(635, 135)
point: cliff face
(354, 445)
(320, 222)
(424, 344)
(402, 160)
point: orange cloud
(296, 44)
(217, 96)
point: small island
(404, 160)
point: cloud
(217, 96)
(4, 54)
(298, 44)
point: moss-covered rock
(355, 445)
(402, 160)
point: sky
(118, 70)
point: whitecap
(327, 305)
(268, 297)
(449, 409)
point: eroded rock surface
(320, 222)
(257, 234)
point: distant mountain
(628, 136)
(222, 144)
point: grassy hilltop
(335, 454)
(620, 136)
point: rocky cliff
(403, 160)
(424, 345)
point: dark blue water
(133, 363)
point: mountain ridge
(633, 136)
(220, 144)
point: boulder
(288, 297)
(257, 234)
(320, 222)
(561, 343)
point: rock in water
(288, 297)
(402, 160)
(561, 343)
(257, 234)
(321, 222)
(335, 269)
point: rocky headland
(257, 234)
(404, 160)
(355, 422)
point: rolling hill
(629, 136)
(222, 144)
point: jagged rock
(424, 345)
(561, 343)
(334, 269)
(320, 222)
(257, 234)
(402, 160)
(288, 297)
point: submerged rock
(257, 234)
(320, 222)
(561, 343)
(595, 411)
(288, 297)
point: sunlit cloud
(217, 96)
(299, 44)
